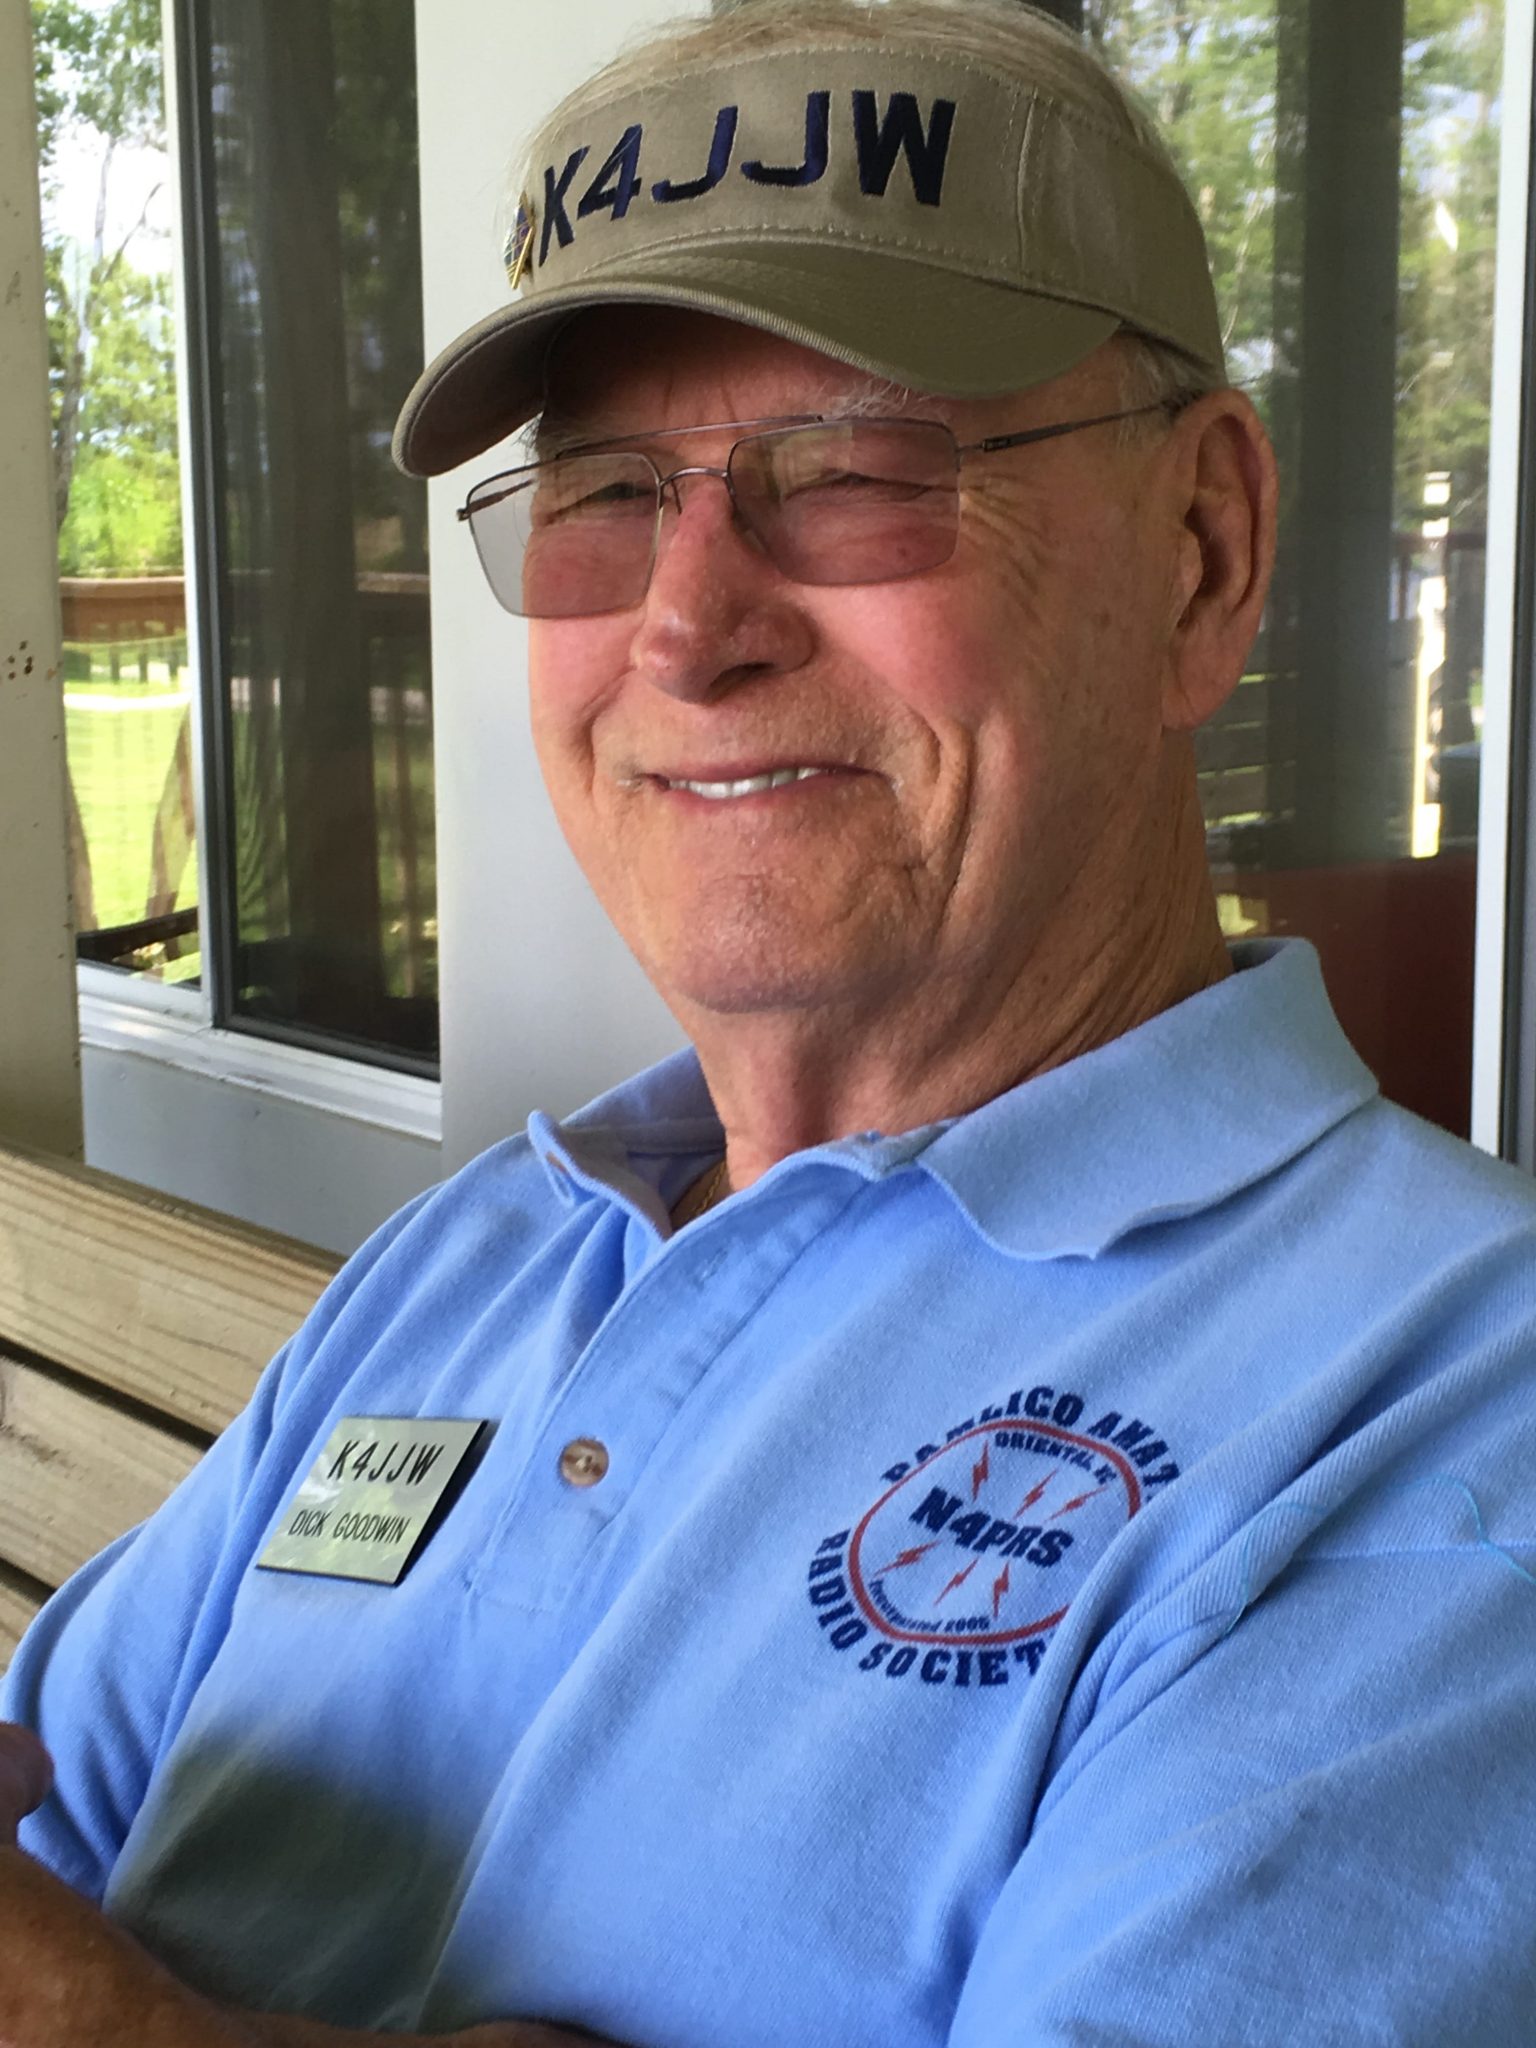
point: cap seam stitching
(768, 231)
(826, 231)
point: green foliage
(1445, 306)
(111, 349)
(124, 516)
(378, 208)
(125, 497)
(1207, 71)
(98, 68)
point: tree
(1311, 255)
(1206, 71)
(1450, 207)
(111, 354)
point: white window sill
(165, 1023)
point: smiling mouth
(746, 785)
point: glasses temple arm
(994, 442)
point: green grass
(119, 760)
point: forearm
(277, 2032)
(70, 1978)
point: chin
(734, 971)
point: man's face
(991, 730)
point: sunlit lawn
(122, 743)
(121, 748)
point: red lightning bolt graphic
(999, 1588)
(1033, 1495)
(979, 1471)
(906, 1557)
(959, 1579)
(1075, 1503)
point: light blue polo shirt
(1062, 1576)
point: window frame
(1503, 1058)
(180, 1027)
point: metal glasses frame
(992, 444)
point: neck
(783, 1082)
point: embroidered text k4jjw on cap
(931, 220)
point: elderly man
(988, 1502)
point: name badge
(366, 1507)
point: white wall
(39, 1086)
(541, 1005)
(326, 1178)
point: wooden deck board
(75, 1472)
(174, 1305)
(16, 1612)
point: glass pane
(106, 184)
(312, 241)
(1345, 162)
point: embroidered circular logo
(986, 1542)
(978, 1544)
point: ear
(1222, 471)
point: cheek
(1077, 605)
(572, 666)
(939, 651)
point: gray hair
(1013, 39)
(1152, 373)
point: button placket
(658, 1341)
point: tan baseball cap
(927, 219)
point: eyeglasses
(829, 501)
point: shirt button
(583, 1462)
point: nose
(717, 610)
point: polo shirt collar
(1203, 1100)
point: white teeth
(751, 785)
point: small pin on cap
(519, 243)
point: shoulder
(1417, 1199)
(505, 1193)
(434, 1265)
(1416, 1156)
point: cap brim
(940, 331)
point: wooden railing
(122, 625)
(132, 1330)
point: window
(299, 127)
(311, 746)
(1345, 163)
(109, 251)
